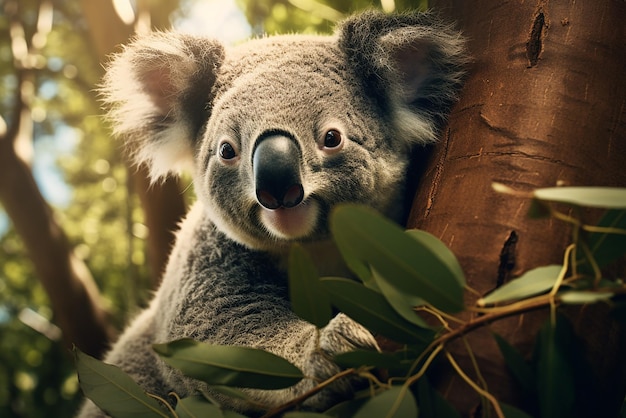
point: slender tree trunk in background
(73, 295)
(67, 281)
(544, 104)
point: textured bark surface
(544, 105)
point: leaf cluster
(408, 287)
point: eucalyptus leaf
(360, 358)
(608, 247)
(229, 365)
(402, 303)
(114, 391)
(593, 197)
(431, 403)
(517, 365)
(533, 282)
(555, 378)
(441, 251)
(351, 256)
(589, 283)
(308, 299)
(197, 407)
(409, 265)
(348, 408)
(397, 402)
(576, 297)
(371, 310)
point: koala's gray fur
(381, 85)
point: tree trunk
(73, 295)
(544, 105)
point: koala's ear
(411, 64)
(157, 91)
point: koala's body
(276, 132)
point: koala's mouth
(291, 223)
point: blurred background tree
(82, 237)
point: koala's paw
(341, 335)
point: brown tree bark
(73, 294)
(67, 281)
(544, 105)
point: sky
(219, 19)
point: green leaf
(431, 403)
(300, 414)
(229, 365)
(371, 310)
(575, 297)
(197, 407)
(533, 282)
(593, 197)
(607, 248)
(441, 250)
(354, 261)
(360, 358)
(396, 402)
(555, 379)
(308, 299)
(348, 408)
(409, 265)
(402, 303)
(513, 412)
(519, 368)
(112, 390)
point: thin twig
(295, 401)
(165, 403)
(478, 389)
(479, 375)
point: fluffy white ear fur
(146, 89)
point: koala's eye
(227, 151)
(332, 139)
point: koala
(276, 132)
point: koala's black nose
(276, 166)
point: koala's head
(279, 130)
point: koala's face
(288, 139)
(280, 130)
